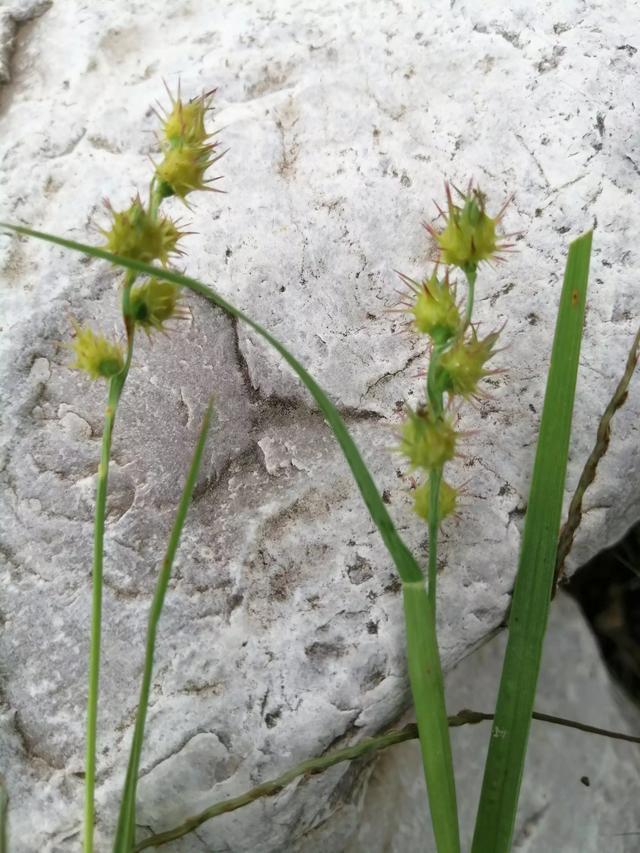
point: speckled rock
(283, 631)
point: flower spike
(469, 235)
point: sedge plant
(141, 232)
(142, 241)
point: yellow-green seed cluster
(447, 497)
(428, 441)
(142, 233)
(153, 303)
(467, 237)
(188, 150)
(435, 310)
(463, 363)
(96, 355)
(137, 234)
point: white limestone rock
(283, 630)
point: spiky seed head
(185, 122)
(96, 355)
(447, 498)
(182, 169)
(469, 235)
(428, 442)
(435, 310)
(463, 364)
(153, 303)
(135, 234)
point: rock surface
(282, 634)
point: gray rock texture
(283, 634)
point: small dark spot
(360, 571)
(228, 253)
(351, 543)
(320, 651)
(537, 211)
(563, 229)
(271, 719)
(560, 28)
(532, 318)
(600, 123)
(550, 62)
(532, 408)
(575, 297)
(279, 585)
(405, 180)
(517, 512)
(375, 132)
(394, 585)
(585, 781)
(398, 473)
(372, 627)
(504, 490)
(629, 48)
(282, 289)
(386, 496)
(606, 263)
(234, 601)
(374, 678)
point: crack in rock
(10, 22)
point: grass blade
(424, 662)
(125, 833)
(532, 592)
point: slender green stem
(471, 274)
(434, 390)
(435, 479)
(116, 386)
(314, 766)
(436, 401)
(4, 805)
(427, 687)
(155, 198)
(125, 834)
(96, 612)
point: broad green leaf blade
(532, 592)
(408, 569)
(125, 833)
